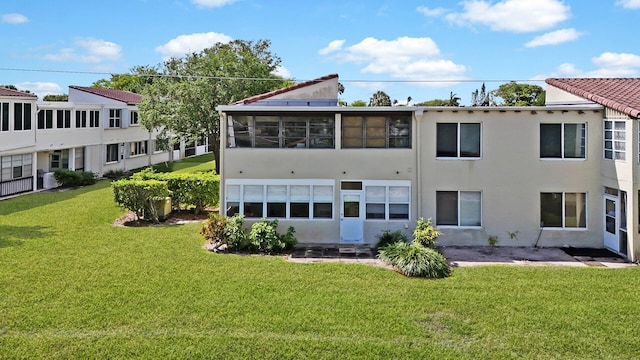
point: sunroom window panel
(470, 208)
(398, 193)
(238, 133)
(253, 193)
(276, 209)
(253, 209)
(375, 211)
(322, 210)
(300, 193)
(299, 210)
(398, 211)
(375, 194)
(267, 132)
(470, 140)
(447, 140)
(233, 193)
(550, 140)
(323, 193)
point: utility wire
(263, 79)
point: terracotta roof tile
(9, 92)
(621, 94)
(119, 95)
(284, 90)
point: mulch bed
(176, 217)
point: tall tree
(182, 102)
(454, 99)
(60, 97)
(517, 94)
(480, 98)
(134, 81)
(358, 103)
(380, 98)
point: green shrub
(138, 196)
(425, 233)
(213, 229)
(221, 230)
(198, 190)
(415, 260)
(234, 233)
(264, 237)
(115, 174)
(70, 178)
(388, 237)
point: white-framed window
(115, 118)
(615, 137)
(458, 140)
(138, 148)
(387, 202)
(16, 167)
(81, 119)
(113, 152)
(4, 116)
(563, 141)
(59, 159)
(94, 118)
(284, 199)
(63, 119)
(134, 118)
(459, 208)
(45, 119)
(566, 210)
(21, 116)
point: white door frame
(611, 240)
(352, 227)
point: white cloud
(212, 3)
(40, 88)
(431, 12)
(554, 38)
(609, 65)
(91, 51)
(333, 46)
(404, 58)
(282, 72)
(14, 18)
(512, 15)
(629, 4)
(186, 44)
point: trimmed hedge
(70, 178)
(187, 190)
(139, 195)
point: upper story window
(4, 116)
(114, 118)
(134, 118)
(376, 131)
(563, 141)
(290, 131)
(21, 116)
(45, 119)
(615, 137)
(458, 140)
(63, 119)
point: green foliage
(415, 260)
(133, 82)
(264, 237)
(380, 98)
(138, 196)
(358, 103)
(70, 178)
(425, 233)
(492, 240)
(434, 102)
(388, 237)
(516, 94)
(222, 230)
(60, 97)
(198, 190)
(114, 174)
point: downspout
(223, 136)
(418, 158)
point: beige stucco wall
(511, 176)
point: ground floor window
(112, 152)
(286, 199)
(137, 148)
(59, 159)
(16, 167)
(563, 210)
(459, 208)
(387, 202)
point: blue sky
(424, 49)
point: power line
(263, 79)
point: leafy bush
(425, 233)
(70, 178)
(264, 237)
(192, 190)
(388, 237)
(138, 196)
(236, 237)
(115, 174)
(220, 230)
(415, 260)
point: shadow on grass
(15, 235)
(34, 200)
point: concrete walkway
(467, 256)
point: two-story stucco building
(529, 175)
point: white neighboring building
(97, 130)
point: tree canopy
(181, 102)
(358, 103)
(517, 94)
(380, 98)
(52, 97)
(133, 81)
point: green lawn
(73, 286)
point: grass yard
(74, 286)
